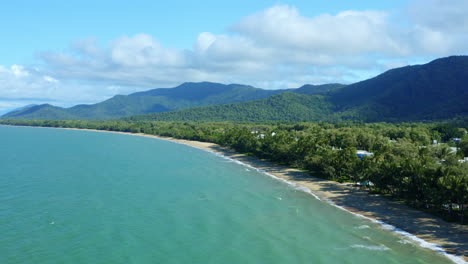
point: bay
(70, 196)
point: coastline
(424, 229)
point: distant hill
(38, 111)
(153, 101)
(433, 91)
(318, 89)
(287, 106)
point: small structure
(365, 183)
(435, 142)
(453, 149)
(465, 159)
(456, 140)
(364, 153)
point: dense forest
(286, 106)
(418, 163)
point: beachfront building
(364, 153)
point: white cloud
(441, 15)
(277, 42)
(440, 28)
(50, 79)
(17, 81)
(143, 50)
(348, 32)
(204, 41)
(18, 71)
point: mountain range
(436, 90)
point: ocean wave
(404, 241)
(401, 232)
(422, 243)
(374, 248)
(362, 227)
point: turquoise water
(88, 197)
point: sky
(72, 52)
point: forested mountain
(152, 101)
(287, 106)
(36, 112)
(433, 91)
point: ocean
(69, 196)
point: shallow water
(87, 197)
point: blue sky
(69, 52)
(53, 25)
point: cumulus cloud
(441, 15)
(439, 27)
(275, 48)
(17, 81)
(348, 32)
(143, 50)
(274, 43)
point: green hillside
(36, 112)
(286, 106)
(152, 101)
(437, 90)
(434, 91)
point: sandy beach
(452, 238)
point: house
(364, 153)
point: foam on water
(417, 240)
(383, 225)
(374, 248)
(362, 227)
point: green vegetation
(152, 101)
(286, 106)
(405, 164)
(433, 91)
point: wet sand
(452, 238)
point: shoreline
(422, 228)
